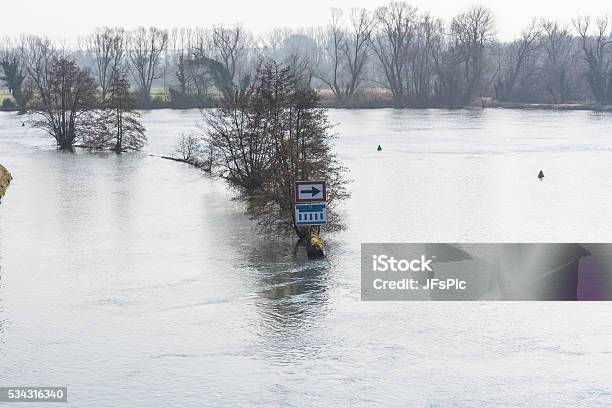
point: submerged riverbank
(5, 180)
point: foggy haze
(68, 19)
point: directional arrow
(313, 191)
(310, 191)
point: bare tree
(189, 147)
(557, 45)
(301, 69)
(422, 73)
(519, 52)
(330, 63)
(199, 80)
(107, 46)
(181, 43)
(274, 42)
(395, 31)
(471, 32)
(230, 47)
(357, 50)
(224, 54)
(122, 121)
(448, 78)
(145, 49)
(189, 51)
(298, 50)
(64, 94)
(597, 56)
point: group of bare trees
(344, 53)
(266, 137)
(421, 61)
(392, 55)
(138, 53)
(107, 47)
(62, 92)
(71, 105)
(596, 42)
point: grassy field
(159, 93)
(4, 94)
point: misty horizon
(50, 20)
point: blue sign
(310, 214)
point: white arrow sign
(310, 191)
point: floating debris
(541, 175)
(379, 148)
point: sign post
(310, 203)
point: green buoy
(541, 175)
(379, 148)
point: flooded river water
(138, 282)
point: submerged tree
(128, 132)
(118, 126)
(267, 138)
(64, 95)
(189, 147)
(242, 152)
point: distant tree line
(393, 55)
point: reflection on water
(135, 277)
(287, 280)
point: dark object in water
(22, 124)
(314, 246)
(541, 175)
(379, 148)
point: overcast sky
(70, 18)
